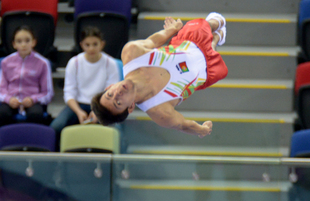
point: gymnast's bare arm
(137, 48)
(166, 116)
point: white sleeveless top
(186, 65)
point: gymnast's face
(119, 97)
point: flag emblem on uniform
(183, 67)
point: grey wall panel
(231, 134)
(260, 67)
(245, 100)
(236, 6)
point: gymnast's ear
(131, 107)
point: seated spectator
(26, 82)
(87, 74)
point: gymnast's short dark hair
(103, 114)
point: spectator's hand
(14, 103)
(82, 116)
(171, 23)
(93, 117)
(27, 102)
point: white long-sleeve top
(84, 79)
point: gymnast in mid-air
(157, 78)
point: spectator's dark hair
(23, 28)
(103, 114)
(91, 31)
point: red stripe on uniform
(189, 91)
(151, 58)
(171, 94)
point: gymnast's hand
(174, 24)
(208, 125)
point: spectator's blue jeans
(66, 118)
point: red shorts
(199, 32)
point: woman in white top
(86, 74)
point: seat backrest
(27, 134)
(300, 143)
(303, 106)
(303, 12)
(302, 76)
(300, 148)
(305, 37)
(113, 26)
(49, 6)
(41, 23)
(90, 136)
(122, 7)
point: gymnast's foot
(220, 31)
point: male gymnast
(157, 78)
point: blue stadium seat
(304, 11)
(300, 143)
(299, 176)
(27, 136)
(122, 7)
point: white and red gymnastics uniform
(190, 60)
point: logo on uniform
(32, 72)
(192, 23)
(182, 67)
